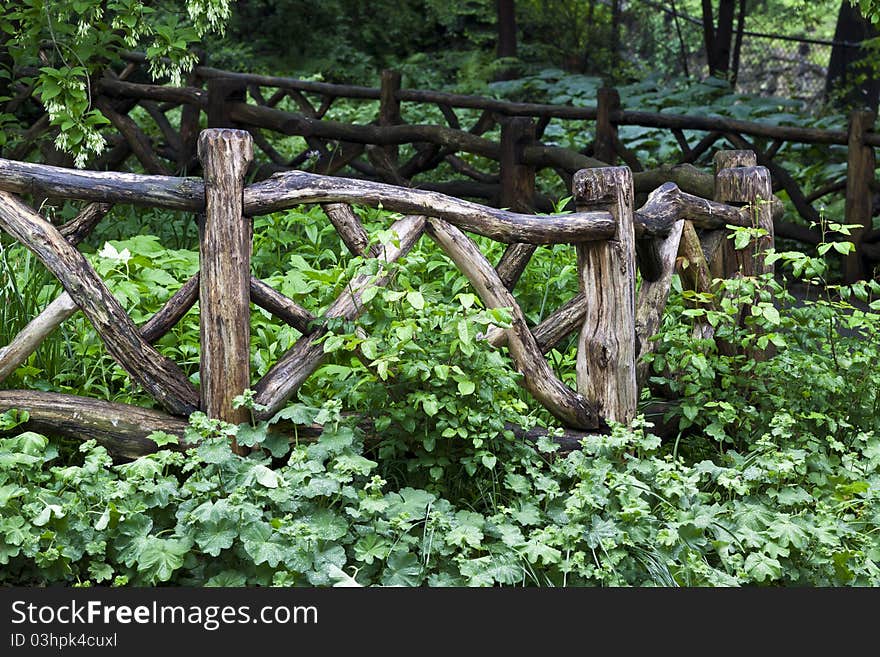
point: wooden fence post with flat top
(606, 356)
(225, 265)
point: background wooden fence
(219, 98)
(611, 237)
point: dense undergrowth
(769, 477)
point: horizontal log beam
(155, 92)
(167, 192)
(293, 188)
(726, 125)
(123, 429)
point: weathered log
(267, 148)
(222, 93)
(517, 193)
(172, 312)
(189, 194)
(667, 204)
(540, 156)
(749, 185)
(825, 190)
(702, 146)
(121, 428)
(225, 262)
(160, 377)
(859, 197)
(538, 378)
(688, 178)
(450, 116)
(279, 305)
(460, 166)
(658, 215)
(31, 336)
(651, 301)
(26, 143)
(349, 227)
(293, 188)
(606, 357)
(298, 363)
(780, 176)
(298, 124)
(102, 186)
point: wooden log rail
(612, 238)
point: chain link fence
(770, 64)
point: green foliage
(772, 479)
(73, 40)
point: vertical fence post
(221, 92)
(189, 121)
(738, 181)
(517, 178)
(859, 176)
(389, 108)
(225, 265)
(606, 367)
(517, 192)
(607, 102)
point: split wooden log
(651, 301)
(538, 378)
(295, 366)
(225, 264)
(160, 377)
(606, 358)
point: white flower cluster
(174, 71)
(206, 14)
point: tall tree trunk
(718, 38)
(852, 81)
(737, 46)
(506, 10)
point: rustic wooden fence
(372, 151)
(611, 239)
